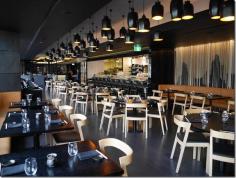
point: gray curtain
(210, 64)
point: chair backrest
(158, 93)
(195, 111)
(178, 97)
(66, 109)
(126, 149)
(222, 135)
(79, 120)
(197, 100)
(108, 109)
(230, 104)
(155, 98)
(139, 107)
(161, 108)
(82, 95)
(101, 95)
(185, 126)
(56, 102)
(128, 97)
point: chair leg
(116, 123)
(126, 128)
(86, 104)
(162, 128)
(180, 158)
(208, 165)
(173, 108)
(123, 124)
(102, 119)
(81, 133)
(150, 122)
(166, 123)
(199, 154)
(146, 127)
(173, 149)
(75, 107)
(109, 125)
(194, 152)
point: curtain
(210, 64)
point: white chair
(230, 104)
(82, 100)
(223, 152)
(136, 112)
(62, 93)
(180, 100)
(158, 93)
(56, 102)
(187, 139)
(197, 102)
(110, 113)
(118, 144)
(99, 97)
(158, 113)
(68, 110)
(76, 135)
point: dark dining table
(37, 126)
(214, 122)
(32, 105)
(65, 165)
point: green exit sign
(137, 47)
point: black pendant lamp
(227, 13)
(104, 34)
(188, 11)
(77, 38)
(157, 11)
(215, 7)
(143, 23)
(82, 44)
(123, 30)
(106, 22)
(176, 10)
(157, 36)
(111, 35)
(109, 47)
(129, 37)
(132, 19)
(62, 46)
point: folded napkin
(14, 125)
(56, 121)
(11, 170)
(87, 154)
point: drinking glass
(30, 166)
(25, 122)
(204, 118)
(72, 148)
(23, 102)
(48, 118)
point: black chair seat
(136, 114)
(66, 137)
(193, 137)
(223, 149)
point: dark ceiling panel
(26, 16)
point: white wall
(95, 67)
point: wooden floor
(151, 156)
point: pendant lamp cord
(123, 16)
(143, 7)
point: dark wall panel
(9, 62)
(162, 67)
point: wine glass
(30, 166)
(72, 148)
(38, 100)
(225, 116)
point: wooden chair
(187, 139)
(56, 102)
(110, 113)
(180, 100)
(230, 104)
(82, 100)
(66, 109)
(126, 149)
(76, 135)
(223, 152)
(197, 102)
(136, 112)
(99, 97)
(158, 113)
